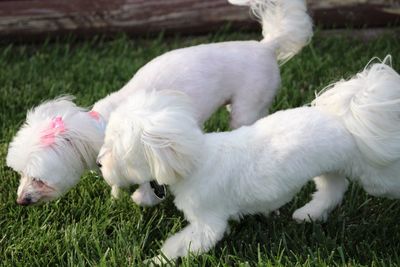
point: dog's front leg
(197, 237)
(115, 190)
(144, 196)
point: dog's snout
(25, 201)
(98, 164)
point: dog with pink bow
(60, 140)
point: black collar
(159, 190)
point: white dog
(60, 140)
(352, 128)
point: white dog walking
(60, 140)
(352, 128)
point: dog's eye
(38, 183)
(98, 163)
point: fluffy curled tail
(285, 24)
(369, 106)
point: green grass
(87, 228)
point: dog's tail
(285, 24)
(369, 106)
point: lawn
(86, 227)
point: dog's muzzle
(24, 201)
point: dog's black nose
(98, 164)
(24, 201)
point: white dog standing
(60, 140)
(352, 128)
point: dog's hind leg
(246, 113)
(330, 190)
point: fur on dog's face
(52, 149)
(150, 136)
(123, 170)
(34, 191)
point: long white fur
(29, 155)
(284, 24)
(369, 106)
(244, 74)
(257, 169)
(372, 116)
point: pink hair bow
(101, 124)
(56, 127)
(94, 114)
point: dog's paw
(267, 214)
(158, 260)
(145, 198)
(306, 214)
(115, 192)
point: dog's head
(151, 136)
(52, 149)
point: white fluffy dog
(59, 140)
(352, 128)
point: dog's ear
(171, 145)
